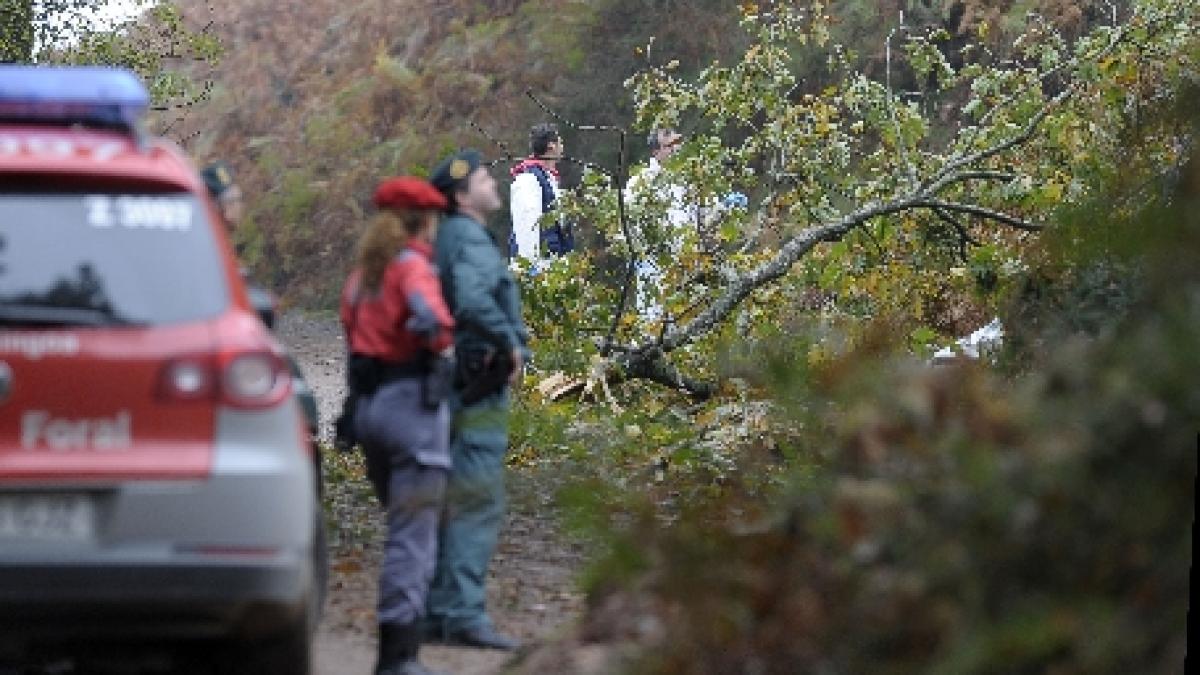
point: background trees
(869, 200)
(881, 515)
(16, 30)
(146, 36)
(891, 517)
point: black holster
(364, 374)
(481, 372)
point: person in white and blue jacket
(534, 193)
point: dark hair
(540, 137)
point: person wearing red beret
(399, 330)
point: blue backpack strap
(559, 240)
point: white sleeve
(525, 204)
(680, 214)
(632, 187)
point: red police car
(157, 481)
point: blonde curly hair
(387, 234)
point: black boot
(398, 645)
(484, 636)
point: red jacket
(407, 314)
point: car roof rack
(91, 96)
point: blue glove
(736, 200)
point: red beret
(407, 192)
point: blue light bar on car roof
(72, 94)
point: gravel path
(531, 593)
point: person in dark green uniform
(490, 341)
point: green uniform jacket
(480, 290)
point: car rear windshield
(107, 259)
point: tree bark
(651, 364)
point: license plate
(47, 517)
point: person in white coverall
(679, 216)
(684, 217)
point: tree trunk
(652, 364)
(16, 31)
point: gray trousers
(410, 552)
(408, 465)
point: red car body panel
(63, 422)
(33, 149)
(98, 414)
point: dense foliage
(943, 519)
(842, 506)
(866, 200)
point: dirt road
(530, 592)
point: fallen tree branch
(950, 173)
(964, 236)
(651, 364)
(776, 267)
(982, 212)
(651, 359)
(964, 176)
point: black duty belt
(395, 371)
(367, 373)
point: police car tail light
(254, 379)
(188, 379)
